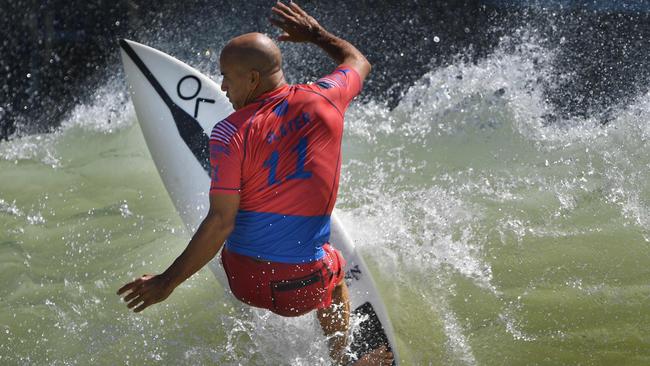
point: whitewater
(495, 237)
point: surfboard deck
(177, 107)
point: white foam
(431, 215)
(108, 112)
(10, 208)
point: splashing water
(494, 237)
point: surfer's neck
(270, 82)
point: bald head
(251, 65)
(253, 51)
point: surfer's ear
(255, 77)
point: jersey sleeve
(340, 87)
(225, 159)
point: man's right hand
(145, 291)
(298, 26)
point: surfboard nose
(124, 43)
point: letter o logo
(180, 82)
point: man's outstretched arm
(298, 26)
(206, 242)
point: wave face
(496, 236)
(56, 53)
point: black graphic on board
(199, 100)
(180, 82)
(190, 130)
(371, 334)
(353, 273)
(198, 90)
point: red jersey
(282, 154)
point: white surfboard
(177, 107)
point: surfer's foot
(379, 357)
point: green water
(495, 239)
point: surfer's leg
(335, 321)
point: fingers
(142, 298)
(130, 296)
(134, 302)
(127, 287)
(297, 9)
(284, 12)
(284, 16)
(144, 292)
(284, 37)
(141, 307)
(284, 20)
(278, 23)
(284, 8)
(137, 290)
(295, 22)
(142, 302)
(133, 285)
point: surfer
(275, 165)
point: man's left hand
(145, 291)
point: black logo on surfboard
(191, 79)
(188, 127)
(353, 273)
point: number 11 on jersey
(300, 173)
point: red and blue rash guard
(282, 154)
